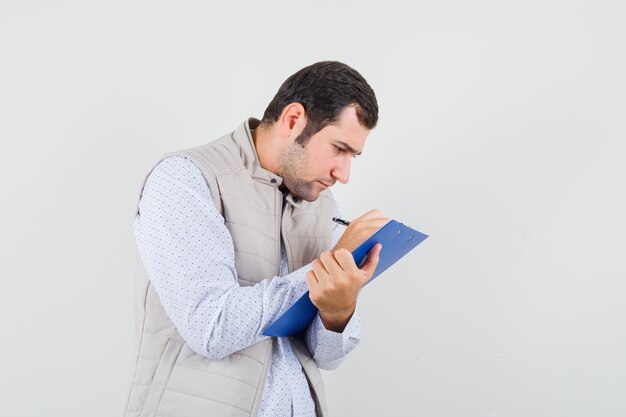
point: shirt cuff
(351, 333)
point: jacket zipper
(279, 206)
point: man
(231, 234)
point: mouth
(325, 185)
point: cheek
(325, 168)
(320, 164)
(320, 160)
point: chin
(309, 196)
(308, 193)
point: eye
(339, 150)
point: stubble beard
(294, 162)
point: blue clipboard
(397, 240)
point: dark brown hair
(325, 89)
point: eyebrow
(348, 147)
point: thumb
(372, 261)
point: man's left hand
(334, 284)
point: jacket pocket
(161, 376)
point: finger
(373, 256)
(321, 274)
(367, 229)
(319, 268)
(372, 214)
(311, 281)
(375, 223)
(369, 225)
(330, 263)
(311, 276)
(345, 259)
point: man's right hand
(360, 229)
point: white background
(501, 135)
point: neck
(266, 143)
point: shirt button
(273, 180)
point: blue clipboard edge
(388, 231)
(304, 309)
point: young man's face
(325, 158)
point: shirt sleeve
(189, 257)
(330, 348)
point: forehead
(347, 129)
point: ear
(292, 120)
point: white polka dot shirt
(189, 257)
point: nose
(342, 170)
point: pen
(341, 221)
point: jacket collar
(242, 137)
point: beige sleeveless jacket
(170, 379)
